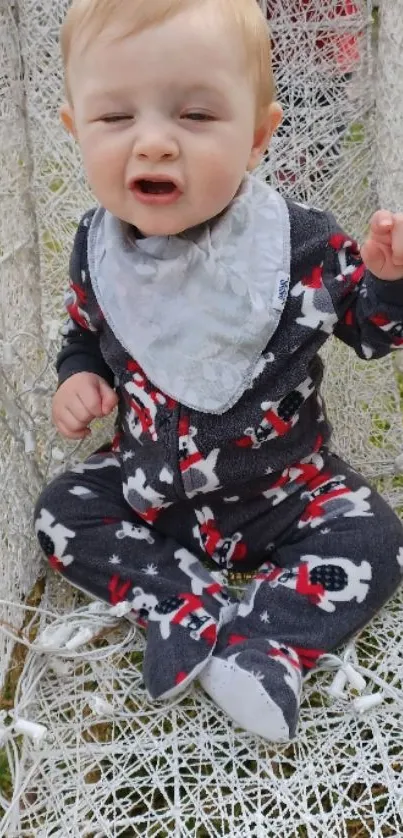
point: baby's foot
(181, 636)
(257, 682)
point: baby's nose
(155, 145)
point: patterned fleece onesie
(179, 492)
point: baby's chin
(169, 221)
(161, 228)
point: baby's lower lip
(155, 198)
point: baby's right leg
(93, 537)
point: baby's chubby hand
(80, 399)
(382, 253)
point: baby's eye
(115, 117)
(198, 116)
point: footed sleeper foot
(181, 636)
(257, 682)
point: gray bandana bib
(197, 310)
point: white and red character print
(247, 604)
(294, 478)
(134, 424)
(399, 558)
(392, 328)
(289, 659)
(264, 360)
(143, 498)
(223, 550)
(54, 540)
(184, 610)
(129, 530)
(325, 581)
(329, 497)
(352, 268)
(95, 462)
(144, 402)
(201, 581)
(198, 472)
(118, 589)
(316, 305)
(75, 298)
(278, 417)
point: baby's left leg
(342, 561)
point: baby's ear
(67, 118)
(270, 120)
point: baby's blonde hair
(89, 17)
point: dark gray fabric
(253, 489)
(117, 557)
(327, 552)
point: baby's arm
(85, 389)
(369, 307)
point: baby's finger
(91, 401)
(397, 239)
(109, 398)
(69, 433)
(79, 411)
(71, 418)
(382, 222)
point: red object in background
(340, 49)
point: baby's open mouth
(153, 187)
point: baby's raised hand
(80, 399)
(382, 253)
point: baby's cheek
(102, 164)
(220, 180)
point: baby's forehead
(155, 57)
(195, 28)
(234, 31)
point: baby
(199, 299)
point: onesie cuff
(84, 363)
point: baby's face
(166, 121)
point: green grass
(14, 672)
(5, 778)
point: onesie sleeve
(369, 310)
(80, 350)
